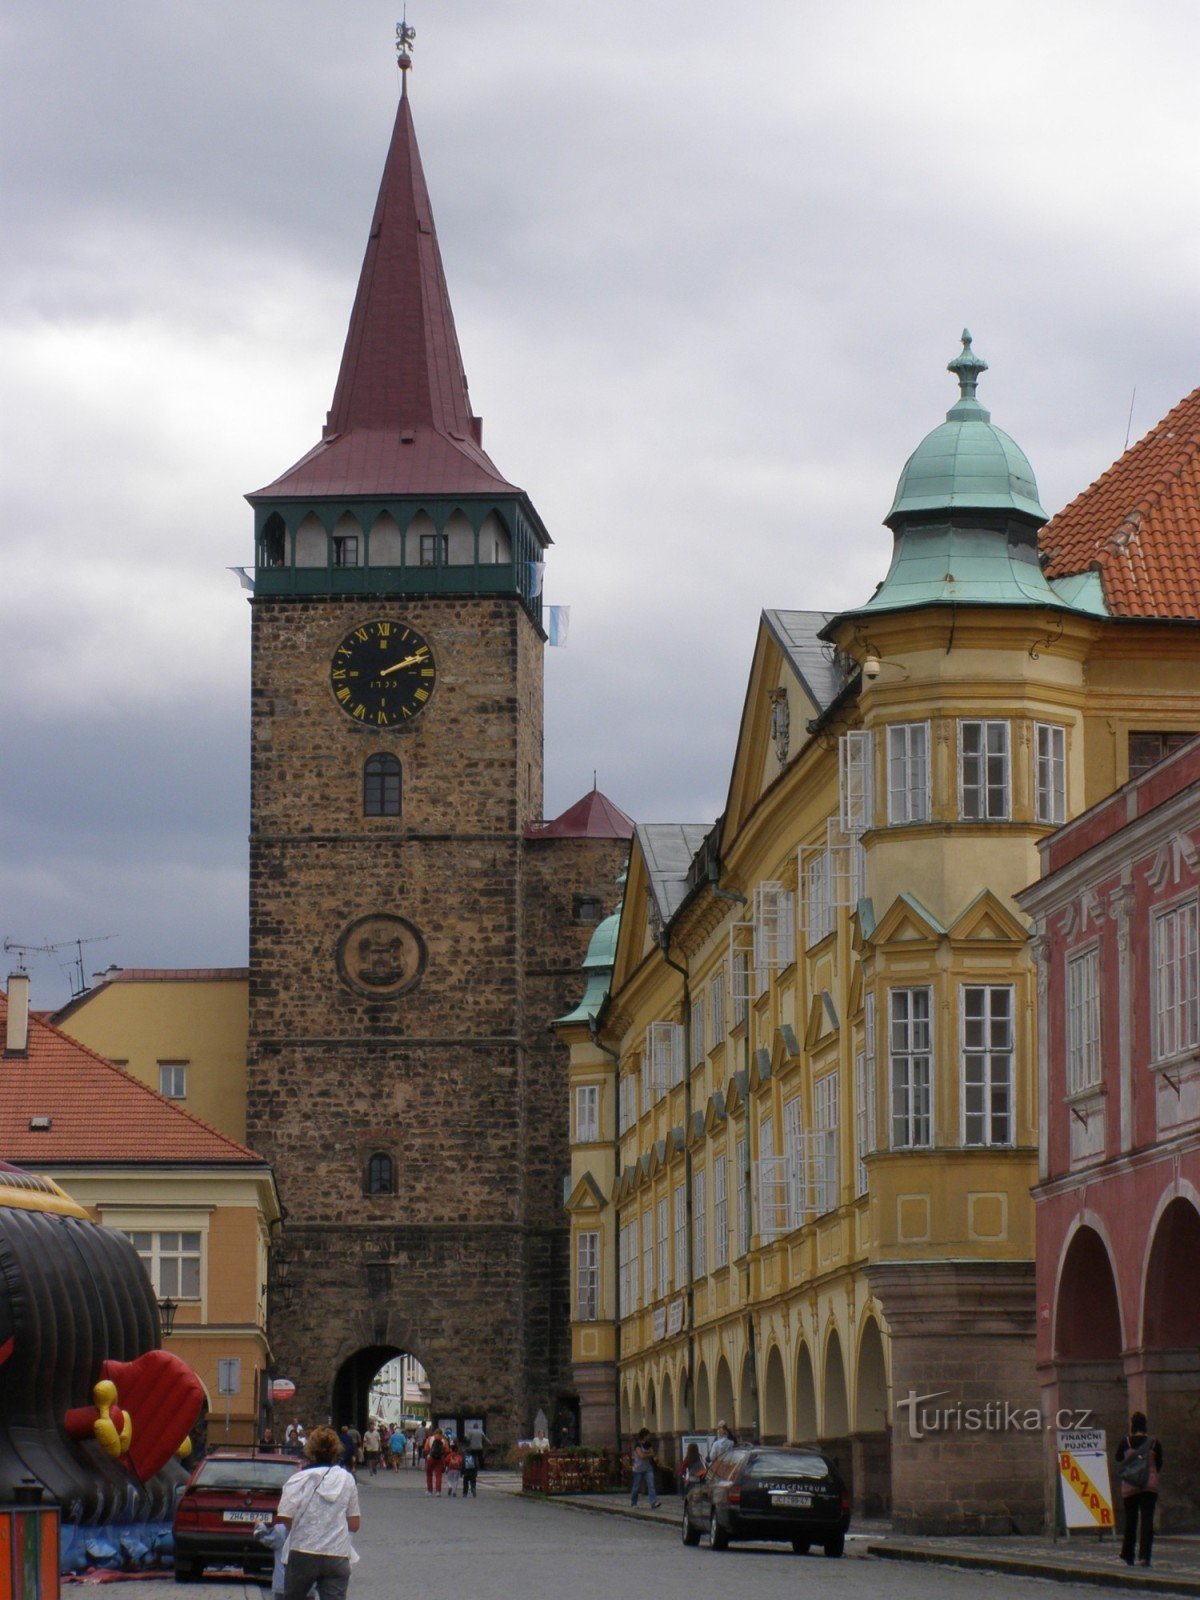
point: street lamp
(166, 1311)
(287, 1290)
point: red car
(215, 1515)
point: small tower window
(345, 549)
(273, 541)
(435, 549)
(587, 908)
(381, 1177)
(381, 786)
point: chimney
(16, 1040)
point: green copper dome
(967, 463)
(598, 964)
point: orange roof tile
(1139, 524)
(97, 1111)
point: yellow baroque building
(804, 1089)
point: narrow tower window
(381, 786)
(380, 1174)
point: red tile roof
(1139, 524)
(401, 421)
(175, 974)
(97, 1112)
(593, 817)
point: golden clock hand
(407, 662)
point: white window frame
(587, 1276)
(720, 1212)
(587, 1113)
(165, 1253)
(648, 1254)
(699, 1224)
(773, 917)
(1050, 773)
(172, 1079)
(910, 1062)
(796, 1163)
(741, 1155)
(664, 1051)
(856, 782)
(985, 773)
(741, 968)
(716, 1002)
(827, 1096)
(864, 1093)
(624, 1306)
(680, 1219)
(1176, 974)
(987, 1055)
(663, 1216)
(696, 1017)
(909, 763)
(816, 874)
(1082, 997)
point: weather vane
(404, 41)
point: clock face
(382, 674)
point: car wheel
(718, 1539)
(836, 1545)
(691, 1536)
(186, 1571)
(801, 1546)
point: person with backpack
(470, 1474)
(436, 1451)
(1139, 1464)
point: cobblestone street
(504, 1547)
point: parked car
(769, 1492)
(215, 1515)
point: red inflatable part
(165, 1398)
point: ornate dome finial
(966, 367)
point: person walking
(454, 1468)
(435, 1461)
(470, 1475)
(723, 1442)
(1139, 1465)
(349, 1450)
(398, 1446)
(477, 1442)
(319, 1508)
(642, 1479)
(372, 1447)
(419, 1438)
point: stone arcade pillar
(966, 1422)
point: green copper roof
(967, 463)
(946, 564)
(598, 964)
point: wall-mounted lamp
(166, 1311)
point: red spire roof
(97, 1111)
(401, 421)
(1139, 524)
(593, 817)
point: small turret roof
(967, 463)
(593, 817)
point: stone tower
(414, 924)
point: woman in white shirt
(319, 1507)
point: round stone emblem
(380, 956)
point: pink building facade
(1118, 1197)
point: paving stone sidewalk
(1176, 1568)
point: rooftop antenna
(75, 970)
(405, 38)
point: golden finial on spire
(404, 41)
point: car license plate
(793, 1499)
(243, 1516)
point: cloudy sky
(708, 264)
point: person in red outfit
(436, 1451)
